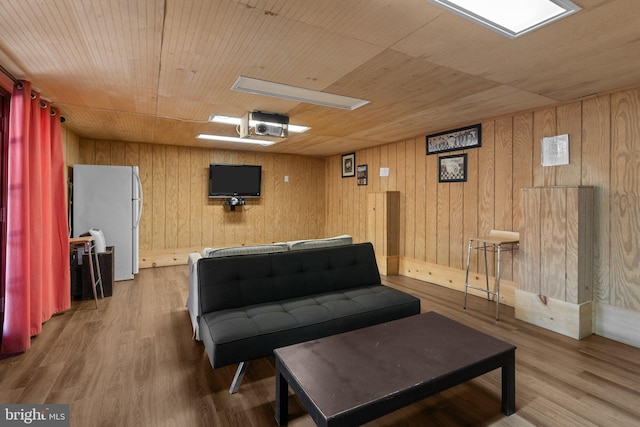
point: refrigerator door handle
(139, 199)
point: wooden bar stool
(88, 243)
(497, 241)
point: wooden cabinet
(556, 255)
(383, 229)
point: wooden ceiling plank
(130, 70)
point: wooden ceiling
(154, 70)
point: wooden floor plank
(133, 362)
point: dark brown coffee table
(355, 377)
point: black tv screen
(234, 181)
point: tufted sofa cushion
(231, 282)
(255, 331)
(192, 300)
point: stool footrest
(481, 289)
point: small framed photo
(452, 168)
(348, 165)
(363, 174)
(457, 139)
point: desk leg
(282, 397)
(509, 384)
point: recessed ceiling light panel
(294, 93)
(510, 18)
(235, 139)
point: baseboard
(454, 278)
(572, 320)
(616, 323)
(149, 259)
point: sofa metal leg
(237, 379)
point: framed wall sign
(348, 165)
(555, 150)
(363, 174)
(457, 139)
(452, 168)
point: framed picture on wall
(363, 174)
(348, 165)
(452, 168)
(457, 139)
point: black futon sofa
(253, 304)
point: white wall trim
(618, 324)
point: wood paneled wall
(178, 217)
(436, 220)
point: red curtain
(37, 261)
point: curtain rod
(8, 74)
(16, 81)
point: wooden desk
(88, 242)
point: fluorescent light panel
(293, 93)
(510, 18)
(235, 139)
(236, 121)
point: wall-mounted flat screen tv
(234, 181)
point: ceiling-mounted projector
(270, 130)
(264, 124)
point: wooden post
(383, 229)
(556, 289)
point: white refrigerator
(109, 198)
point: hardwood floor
(133, 362)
